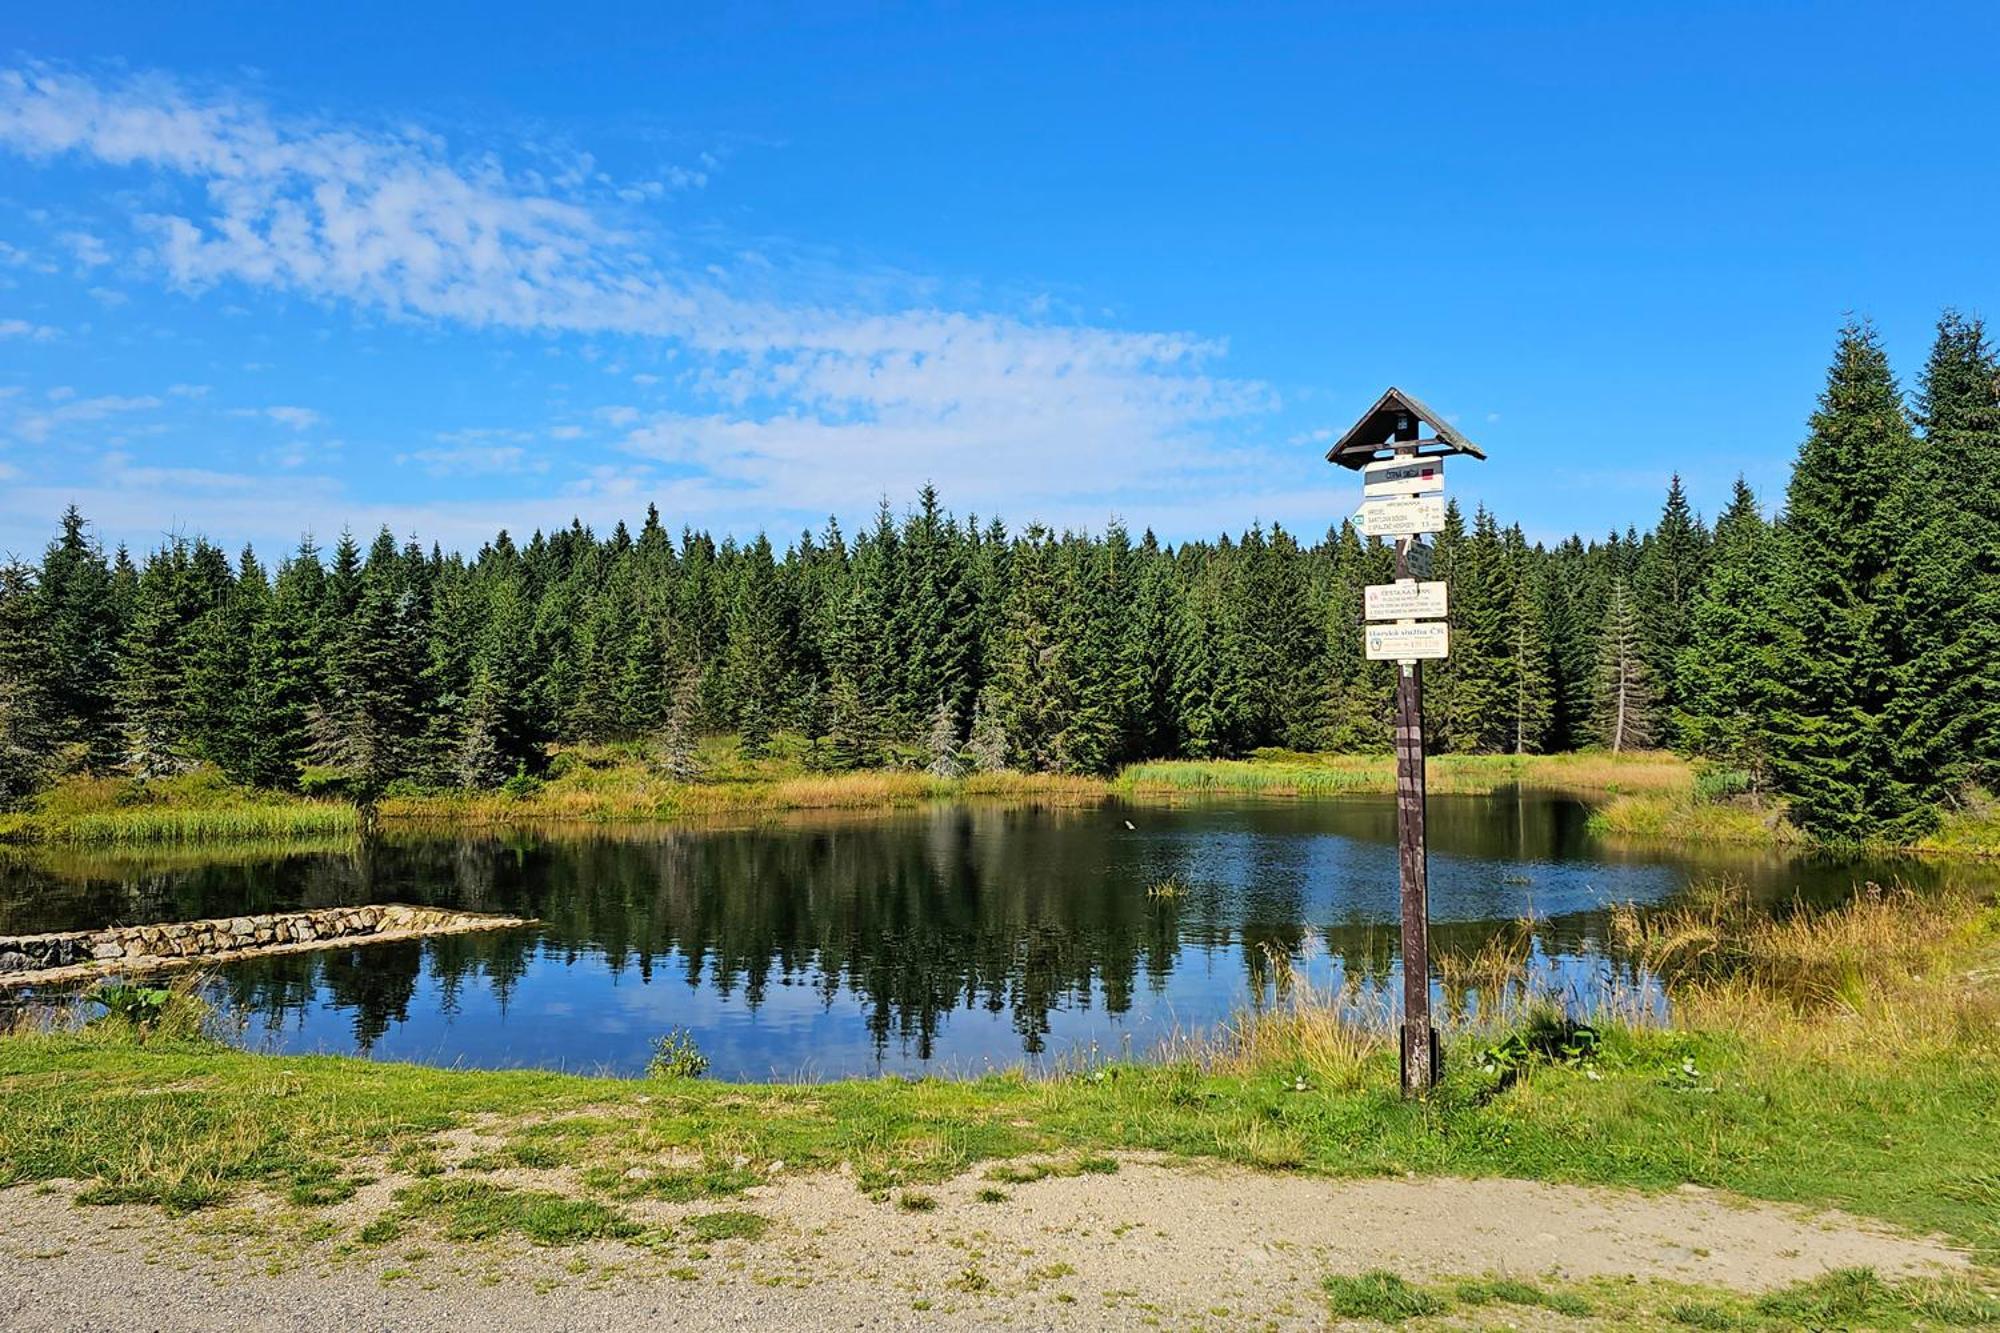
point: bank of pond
(936, 937)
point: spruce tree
(152, 666)
(368, 726)
(29, 724)
(1729, 669)
(1624, 713)
(1480, 705)
(1942, 722)
(676, 754)
(986, 747)
(1668, 578)
(756, 660)
(1829, 750)
(81, 602)
(945, 760)
(1532, 669)
(287, 650)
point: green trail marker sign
(1403, 498)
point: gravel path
(1185, 1245)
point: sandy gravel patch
(1156, 1242)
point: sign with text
(1408, 643)
(1401, 518)
(1402, 476)
(1405, 600)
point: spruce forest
(1842, 654)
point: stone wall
(25, 957)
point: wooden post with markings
(1393, 426)
(1420, 1072)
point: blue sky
(457, 268)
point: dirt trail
(1179, 1244)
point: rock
(13, 960)
(107, 949)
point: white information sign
(1401, 518)
(1408, 643)
(1402, 476)
(1407, 600)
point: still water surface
(949, 938)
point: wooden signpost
(1403, 485)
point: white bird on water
(1129, 824)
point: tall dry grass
(1294, 773)
(1890, 970)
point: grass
(1850, 1298)
(1381, 1296)
(1292, 773)
(1649, 795)
(616, 783)
(1684, 817)
(474, 1210)
(1849, 1058)
(197, 807)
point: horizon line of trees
(1843, 654)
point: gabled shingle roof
(1370, 435)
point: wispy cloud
(296, 418)
(37, 426)
(21, 328)
(798, 403)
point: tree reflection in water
(958, 934)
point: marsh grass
(197, 807)
(1294, 773)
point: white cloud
(36, 427)
(297, 418)
(89, 251)
(21, 328)
(813, 402)
(469, 459)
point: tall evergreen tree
(1829, 750)
(1669, 576)
(80, 613)
(1942, 721)
(1532, 669)
(1729, 668)
(1624, 713)
(29, 724)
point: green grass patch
(1381, 1296)
(1512, 1291)
(198, 807)
(471, 1210)
(728, 1225)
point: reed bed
(1290, 773)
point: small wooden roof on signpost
(1396, 420)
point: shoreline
(1649, 796)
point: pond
(944, 939)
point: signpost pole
(1420, 1072)
(1402, 496)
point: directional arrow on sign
(1405, 517)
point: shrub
(677, 1056)
(1719, 784)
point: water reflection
(959, 936)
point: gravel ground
(1179, 1244)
